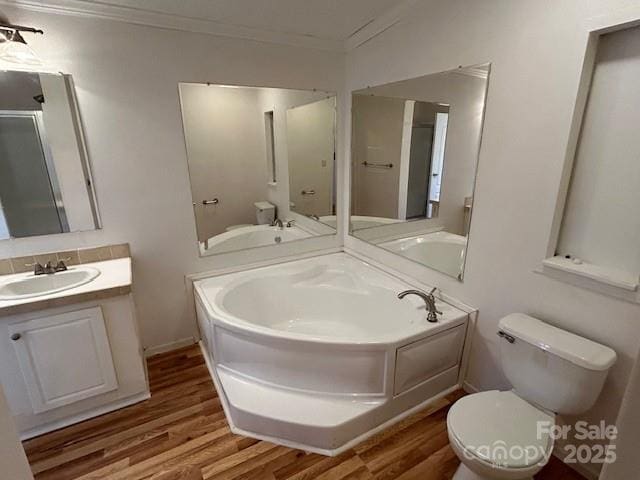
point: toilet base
(464, 473)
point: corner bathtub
(249, 237)
(358, 222)
(319, 353)
(442, 251)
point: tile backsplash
(70, 257)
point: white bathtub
(442, 251)
(358, 222)
(319, 353)
(251, 236)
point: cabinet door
(64, 358)
(424, 359)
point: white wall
(126, 78)
(536, 48)
(13, 461)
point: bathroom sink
(27, 285)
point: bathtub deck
(180, 433)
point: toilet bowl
(495, 435)
(505, 435)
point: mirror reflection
(415, 147)
(45, 180)
(261, 164)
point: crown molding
(173, 22)
(138, 16)
(379, 25)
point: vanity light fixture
(15, 54)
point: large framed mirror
(45, 176)
(415, 147)
(261, 164)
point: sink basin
(27, 285)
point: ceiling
(334, 21)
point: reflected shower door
(26, 191)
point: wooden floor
(181, 433)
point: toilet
(265, 213)
(495, 434)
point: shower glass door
(30, 196)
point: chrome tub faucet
(429, 300)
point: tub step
(274, 413)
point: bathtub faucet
(429, 300)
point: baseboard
(96, 412)
(167, 347)
(467, 387)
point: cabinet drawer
(64, 358)
(428, 357)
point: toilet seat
(500, 431)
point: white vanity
(69, 342)
(69, 345)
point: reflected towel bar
(378, 165)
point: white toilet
(495, 434)
(265, 213)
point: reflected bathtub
(358, 222)
(249, 237)
(319, 353)
(441, 251)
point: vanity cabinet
(64, 358)
(63, 365)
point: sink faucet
(38, 269)
(61, 267)
(277, 223)
(429, 300)
(49, 268)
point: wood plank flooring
(181, 433)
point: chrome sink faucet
(429, 300)
(49, 268)
(277, 223)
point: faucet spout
(429, 301)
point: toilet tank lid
(573, 348)
(264, 205)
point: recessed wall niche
(598, 240)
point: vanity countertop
(114, 279)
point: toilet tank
(555, 369)
(265, 213)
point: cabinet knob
(16, 336)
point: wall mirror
(414, 155)
(261, 164)
(45, 178)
